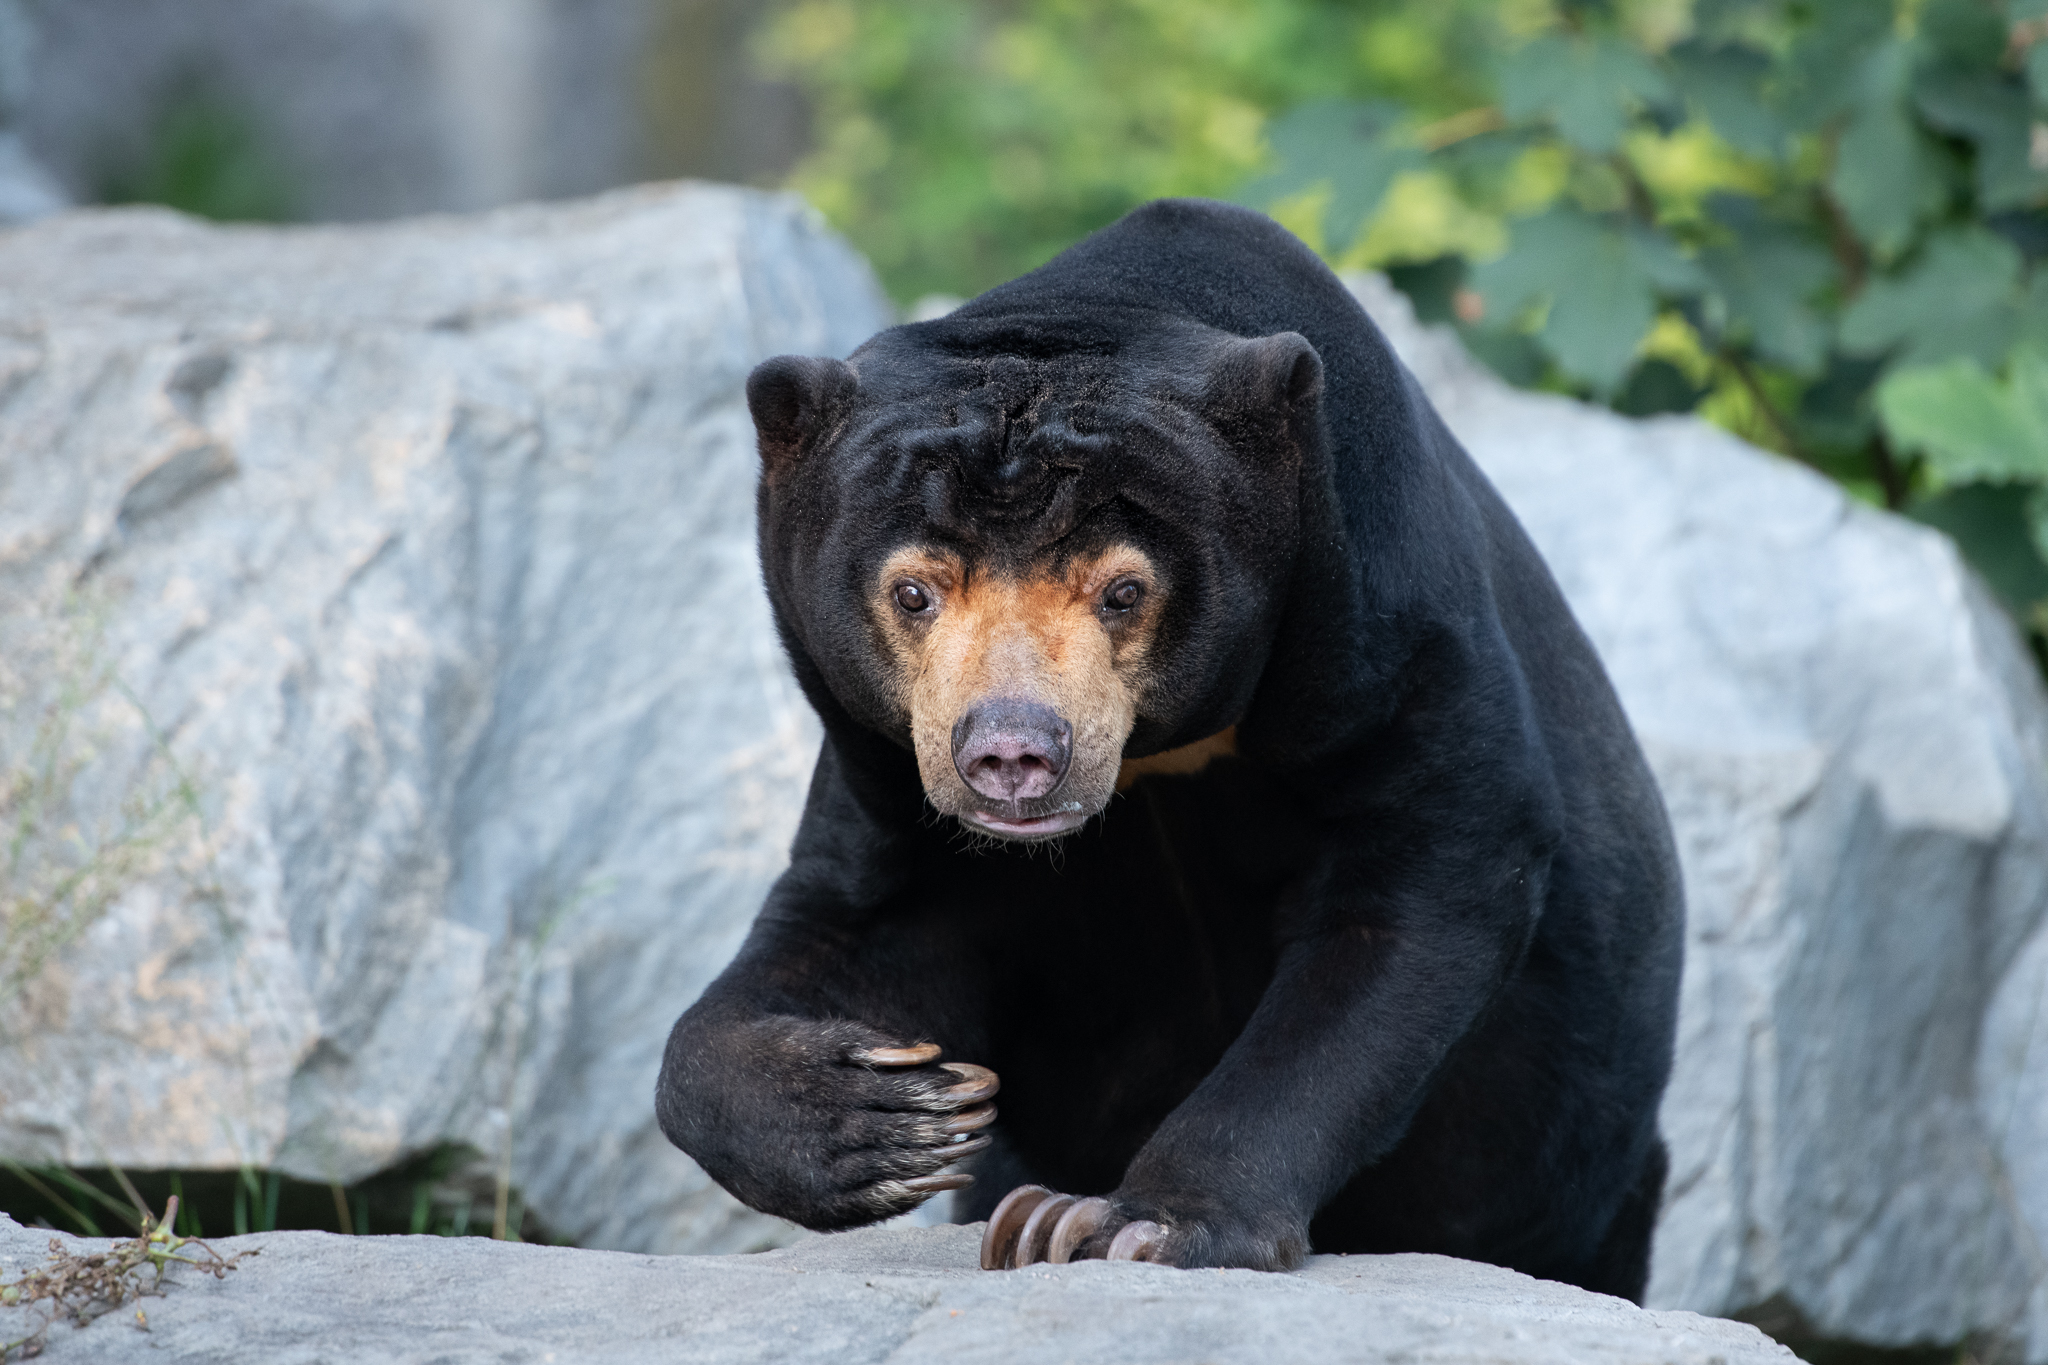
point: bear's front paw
(1035, 1224)
(834, 1126)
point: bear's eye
(1122, 596)
(912, 598)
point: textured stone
(903, 1296)
(425, 724)
(1850, 739)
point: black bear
(1378, 951)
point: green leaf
(1990, 525)
(1964, 32)
(1972, 428)
(1358, 149)
(1660, 260)
(2037, 521)
(1992, 112)
(1960, 298)
(1828, 70)
(1724, 86)
(1835, 410)
(1586, 86)
(1601, 284)
(1887, 176)
(1766, 280)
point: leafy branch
(1821, 222)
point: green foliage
(1973, 428)
(1817, 222)
(450, 1191)
(204, 157)
(961, 144)
(1825, 215)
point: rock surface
(382, 642)
(1851, 743)
(902, 1296)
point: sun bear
(1208, 755)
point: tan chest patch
(1188, 758)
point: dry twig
(82, 1288)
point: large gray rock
(386, 684)
(1850, 740)
(901, 1296)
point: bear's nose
(1008, 749)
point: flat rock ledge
(897, 1295)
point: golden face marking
(1020, 691)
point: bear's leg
(1621, 1266)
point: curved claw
(1037, 1231)
(896, 1056)
(977, 1083)
(1076, 1225)
(937, 1184)
(961, 1149)
(1000, 1238)
(1136, 1241)
(967, 1120)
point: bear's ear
(793, 398)
(1279, 374)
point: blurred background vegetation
(1816, 224)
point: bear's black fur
(1398, 975)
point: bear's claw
(1076, 1225)
(1135, 1241)
(977, 1083)
(896, 1056)
(967, 1120)
(964, 1105)
(1035, 1224)
(999, 1240)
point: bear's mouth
(1028, 826)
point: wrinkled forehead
(1018, 364)
(1010, 453)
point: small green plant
(1818, 222)
(65, 726)
(82, 1287)
(207, 156)
(450, 1191)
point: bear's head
(1028, 552)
